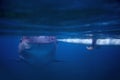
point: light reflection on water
(89, 41)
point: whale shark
(37, 49)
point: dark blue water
(102, 63)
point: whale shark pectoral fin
(22, 59)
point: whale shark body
(37, 49)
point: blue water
(78, 63)
(63, 19)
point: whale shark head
(40, 47)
